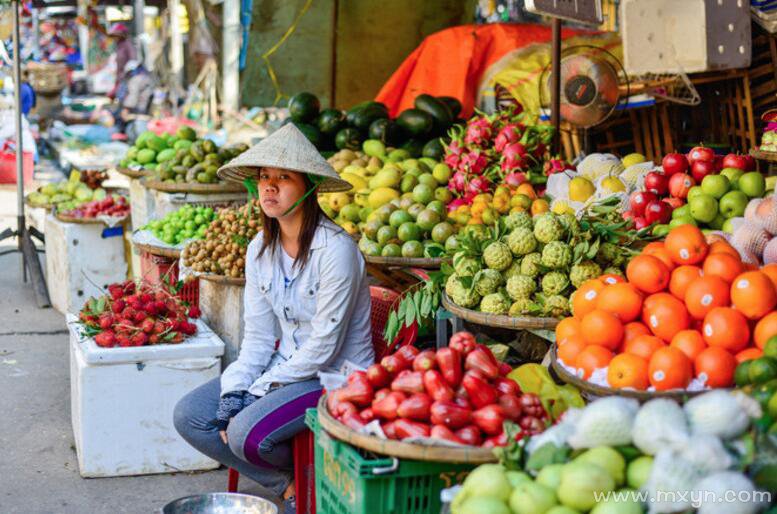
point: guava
(532, 498)
(580, 481)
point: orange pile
(690, 309)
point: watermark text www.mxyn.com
(695, 498)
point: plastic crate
(352, 481)
(155, 268)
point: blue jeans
(259, 436)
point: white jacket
(322, 318)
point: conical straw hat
(286, 148)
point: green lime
(762, 370)
(770, 348)
(391, 250)
(427, 219)
(413, 249)
(424, 193)
(372, 249)
(438, 207)
(409, 231)
(429, 180)
(742, 373)
(442, 231)
(763, 396)
(416, 209)
(771, 407)
(386, 234)
(399, 217)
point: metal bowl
(220, 503)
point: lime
(770, 348)
(409, 231)
(442, 231)
(364, 213)
(391, 250)
(427, 219)
(742, 374)
(443, 194)
(442, 173)
(438, 207)
(372, 249)
(385, 234)
(452, 243)
(423, 193)
(762, 370)
(771, 407)
(413, 249)
(416, 209)
(371, 228)
(384, 212)
(428, 179)
(408, 183)
(399, 217)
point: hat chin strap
(317, 181)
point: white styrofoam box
(122, 402)
(222, 309)
(135, 260)
(35, 217)
(165, 203)
(671, 36)
(81, 260)
(141, 203)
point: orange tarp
(452, 61)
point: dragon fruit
(453, 154)
(479, 132)
(514, 157)
(556, 166)
(515, 179)
(478, 185)
(474, 162)
(458, 182)
(456, 203)
(510, 133)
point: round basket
(757, 153)
(221, 279)
(84, 221)
(192, 187)
(47, 206)
(127, 172)
(592, 390)
(170, 253)
(499, 320)
(469, 454)
(405, 262)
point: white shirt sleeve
(260, 331)
(340, 272)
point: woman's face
(279, 189)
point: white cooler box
(122, 402)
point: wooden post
(555, 83)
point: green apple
(733, 204)
(728, 226)
(715, 186)
(621, 502)
(718, 222)
(704, 208)
(771, 182)
(753, 184)
(693, 192)
(682, 211)
(682, 220)
(638, 471)
(732, 174)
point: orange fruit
(749, 354)
(568, 349)
(724, 265)
(765, 329)
(621, 299)
(567, 327)
(658, 250)
(602, 328)
(527, 189)
(705, 293)
(753, 294)
(628, 370)
(722, 246)
(681, 278)
(647, 273)
(665, 315)
(715, 366)
(634, 329)
(591, 358)
(690, 342)
(585, 297)
(727, 328)
(669, 368)
(644, 346)
(611, 278)
(686, 245)
(770, 270)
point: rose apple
(656, 182)
(640, 223)
(674, 163)
(638, 200)
(679, 184)
(658, 211)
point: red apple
(656, 182)
(658, 211)
(638, 200)
(749, 163)
(674, 203)
(628, 215)
(734, 160)
(679, 184)
(674, 163)
(701, 169)
(718, 162)
(640, 223)
(700, 153)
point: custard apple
(556, 255)
(488, 281)
(514, 269)
(547, 228)
(556, 306)
(452, 284)
(530, 265)
(497, 256)
(464, 265)
(521, 241)
(554, 283)
(518, 219)
(584, 271)
(610, 255)
(494, 303)
(570, 223)
(520, 286)
(465, 297)
(612, 270)
(521, 307)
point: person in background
(125, 52)
(134, 94)
(29, 99)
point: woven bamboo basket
(499, 320)
(190, 187)
(405, 262)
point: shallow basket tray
(757, 153)
(127, 172)
(405, 262)
(171, 253)
(190, 187)
(47, 206)
(499, 320)
(592, 390)
(470, 455)
(222, 279)
(85, 221)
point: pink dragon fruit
(556, 166)
(456, 203)
(479, 132)
(474, 162)
(513, 157)
(458, 182)
(469, 197)
(453, 154)
(478, 185)
(515, 179)
(539, 151)
(509, 134)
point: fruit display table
(221, 302)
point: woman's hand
(223, 434)
(229, 406)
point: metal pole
(555, 83)
(17, 71)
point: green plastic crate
(352, 481)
